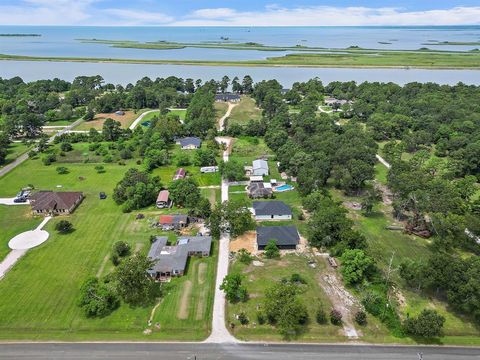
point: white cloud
(86, 12)
(330, 15)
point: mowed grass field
(97, 122)
(14, 150)
(258, 279)
(39, 295)
(13, 221)
(245, 111)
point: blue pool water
(285, 187)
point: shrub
(321, 316)
(65, 146)
(271, 250)
(49, 159)
(335, 317)
(361, 318)
(242, 317)
(100, 169)
(93, 146)
(107, 158)
(115, 259)
(297, 279)
(97, 299)
(428, 324)
(62, 170)
(121, 248)
(261, 318)
(244, 256)
(64, 226)
(32, 154)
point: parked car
(102, 195)
(20, 199)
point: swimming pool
(146, 123)
(283, 188)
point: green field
(39, 294)
(13, 221)
(15, 150)
(245, 110)
(350, 58)
(258, 279)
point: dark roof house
(257, 190)
(286, 237)
(55, 203)
(172, 260)
(276, 210)
(190, 142)
(227, 97)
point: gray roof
(260, 164)
(170, 258)
(227, 97)
(186, 141)
(257, 189)
(271, 208)
(283, 235)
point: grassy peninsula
(354, 58)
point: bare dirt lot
(245, 241)
(98, 120)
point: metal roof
(283, 235)
(271, 208)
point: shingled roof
(52, 200)
(283, 235)
(271, 208)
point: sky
(239, 12)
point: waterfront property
(163, 199)
(189, 143)
(170, 261)
(271, 210)
(55, 203)
(285, 237)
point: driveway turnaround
(30, 239)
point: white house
(271, 210)
(260, 167)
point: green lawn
(246, 149)
(179, 112)
(258, 279)
(245, 110)
(13, 221)
(221, 108)
(59, 122)
(381, 173)
(14, 150)
(39, 294)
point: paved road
(23, 157)
(234, 352)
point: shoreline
(248, 63)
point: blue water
(285, 187)
(61, 40)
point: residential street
(184, 351)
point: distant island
(20, 35)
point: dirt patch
(202, 272)
(102, 266)
(387, 195)
(245, 241)
(184, 302)
(98, 120)
(340, 298)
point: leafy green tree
(184, 192)
(121, 248)
(62, 170)
(233, 288)
(232, 170)
(133, 283)
(427, 325)
(244, 256)
(111, 130)
(336, 317)
(356, 266)
(361, 318)
(205, 157)
(234, 217)
(64, 227)
(97, 299)
(271, 250)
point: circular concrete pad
(28, 239)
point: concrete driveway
(9, 201)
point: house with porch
(171, 261)
(271, 210)
(189, 143)
(55, 202)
